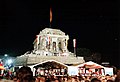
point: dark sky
(93, 23)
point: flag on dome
(50, 14)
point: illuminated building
(50, 44)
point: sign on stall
(108, 71)
(72, 71)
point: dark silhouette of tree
(96, 57)
(83, 52)
(88, 55)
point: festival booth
(50, 67)
(90, 68)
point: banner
(108, 71)
(72, 71)
(74, 42)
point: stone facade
(52, 40)
(50, 44)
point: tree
(96, 57)
(83, 52)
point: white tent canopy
(90, 64)
(48, 61)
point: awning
(90, 64)
(50, 64)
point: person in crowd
(25, 74)
(110, 80)
(117, 79)
(95, 80)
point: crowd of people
(24, 74)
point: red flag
(50, 14)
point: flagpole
(75, 51)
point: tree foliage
(88, 55)
(83, 52)
(96, 57)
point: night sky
(93, 23)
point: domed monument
(50, 44)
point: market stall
(91, 68)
